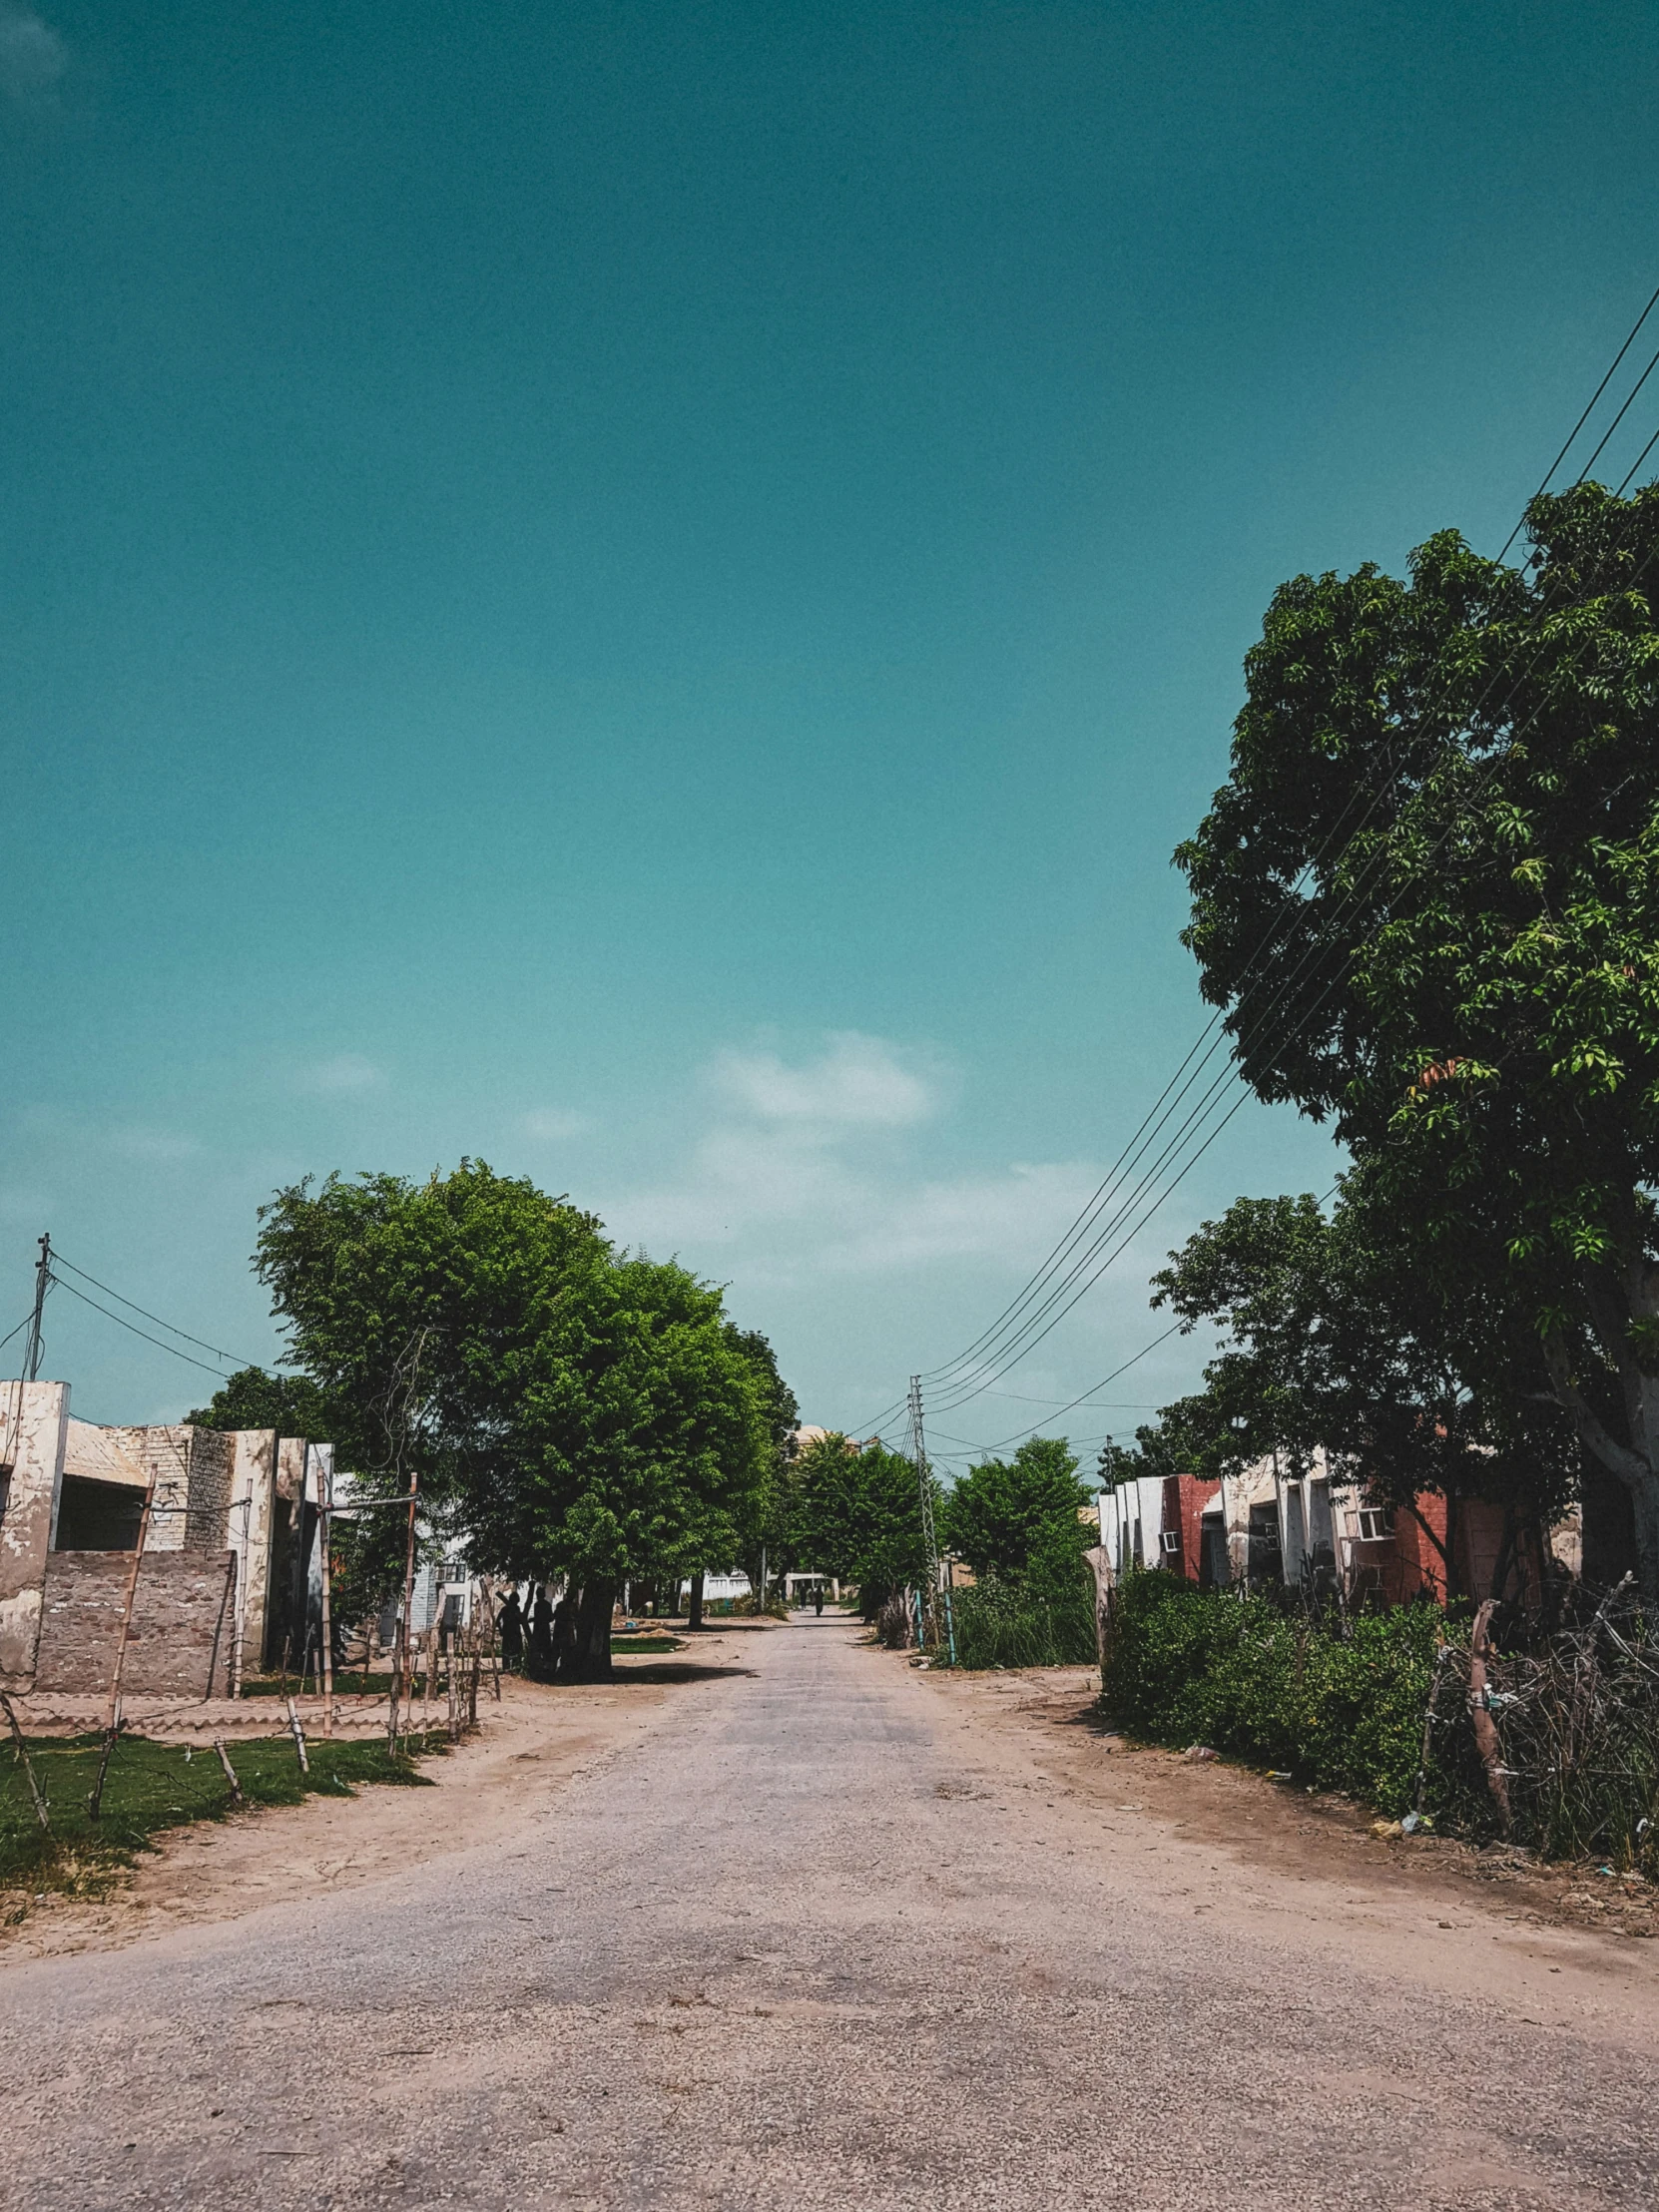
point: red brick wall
(1185, 1497)
(180, 1644)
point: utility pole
(32, 1343)
(929, 1538)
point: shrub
(1340, 1700)
(1341, 1710)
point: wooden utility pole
(326, 1502)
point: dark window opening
(98, 1517)
(1265, 1559)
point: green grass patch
(348, 1682)
(151, 1787)
(646, 1643)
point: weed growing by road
(1340, 1700)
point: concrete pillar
(34, 1426)
(253, 1496)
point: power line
(121, 1323)
(1012, 1347)
(1008, 1326)
(172, 1326)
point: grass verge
(151, 1787)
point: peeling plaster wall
(34, 1420)
(253, 1496)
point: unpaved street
(819, 1930)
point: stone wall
(180, 1645)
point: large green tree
(252, 1398)
(567, 1408)
(1016, 1520)
(1428, 900)
(859, 1511)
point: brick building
(224, 1578)
(1273, 1525)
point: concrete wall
(34, 1419)
(180, 1645)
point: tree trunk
(694, 1616)
(1633, 1469)
(590, 1658)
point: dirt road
(824, 1930)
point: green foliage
(1443, 822)
(1015, 1521)
(997, 1625)
(151, 1787)
(1241, 1675)
(567, 1406)
(1340, 1703)
(861, 1517)
(291, 1405)
(1334, 1335)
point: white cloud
(797, 1176)
(859, 1082)
(32, 56)
(552, 1124)
(347, 1071)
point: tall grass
(1001, 1627)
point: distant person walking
(817, 1599)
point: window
(1377, 1525)
(98, 1517)
(1170, 1541)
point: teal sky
(643, 592)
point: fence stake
(1480, 1718)
(28, 1766)
(230, 1770)
(299, 1734)
(96, 1801)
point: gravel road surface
(816, 1937)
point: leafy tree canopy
(1332, 1337)
(861, 1517)
(1429, 898)
(1015, 1520)
(253, 1399)
(566, 1405)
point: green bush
(1341, 1707)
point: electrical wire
(121, 1323)
(199, 1341)
(1010, 1348)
